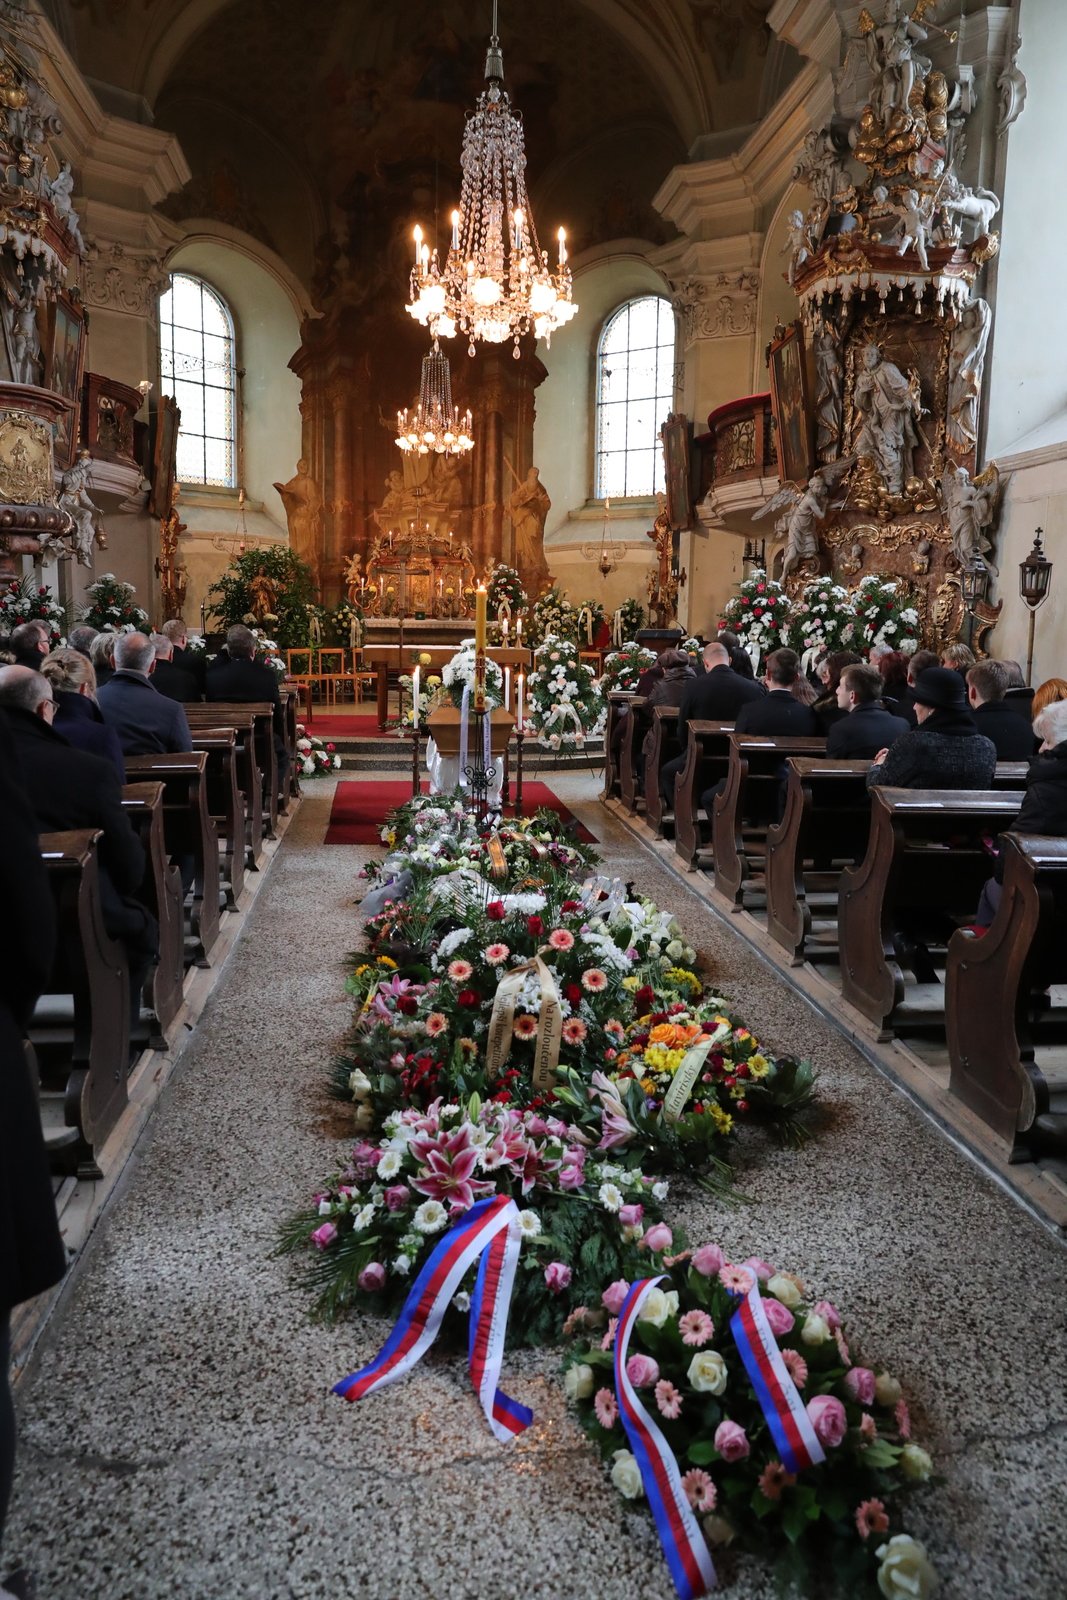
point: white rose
(626, 1475)
(707, 1372)
(402, 1266)
(887, 1390)
(904, 1570)
(915, 1463)
(660, 1191)
(674, 949)
(578, 1382)
(816, 1329)
(717, 1531)
(364, 1118)
(359, 1084)
(785, 1289)
(659, 1306)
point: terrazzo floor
(178, 1434)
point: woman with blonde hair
(1047, 694)
(78, 717)
(102, 656)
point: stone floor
(178, 1434)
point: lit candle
(418, 243)
(504, 629)
(518, 633)
(480, 603)
(507, 688)
(415, 698)
(562, 236)
(522, 691)
(425, 255)
(455, 230)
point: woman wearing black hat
(945, 751)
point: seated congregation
(897, 827)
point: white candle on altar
(522, 691)
(415, 698)
(504, 629)
(518, 632)
(507, 687)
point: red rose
(745, 601)
(644, 997)
(743, 1105)
(535, 927)
(760, 587)
(495, 911)
(571, 905)
(743, 1071)
(572, 993)
(708, 1027)
(639, 1041)
(331, 748)
(757, 611)
(468, 997)
(407, 1005)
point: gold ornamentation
(886, 536)
(26, 476)
(985, 248)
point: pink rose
(830, 1314)
(570, 1176)
(859, 1385)
(761, 1268)
(372, 1278)
(828, 1419)
(779, 1317)
(658, 1237)
(397, 1197)
(614, 1295)
(731, 1441)
(557, 1276)
(324, 1236)
(708, 1260)
(642, 1371)
(630, 1216)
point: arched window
(200, 371)
(634, 393)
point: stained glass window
(199, 370)
(634, 394)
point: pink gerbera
(615, 1028)
(696, 1328)
(574, 1030)
(737, 1279)
(668, 1399)
(459, 971)
(594, 980)
(436, 1022)
(560, 939)
(871, 1518)
(524, 1027)
(607, 1412)
(796, 1367)
(609, 1338)
(497, 954)
(699, 1489)
(774, 1479)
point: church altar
(395, 646)
(424, 573)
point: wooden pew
(161, 893)
(748, 804)
(249, 772)
(226, 804)
(707, 757)
(664, 747)
(80, 1030)
(633, 733)
(992, 1022)
(290, 700)
(924, 858)
(188, 830)
(826, 822)
(220, 714)
(618, 707)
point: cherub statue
(74, 498)
(801, 510)
(26, 342)
(798, 245)
(62, 190)
(914, 211)
(970, 506)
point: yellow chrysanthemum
(629, 984)
(722, 1119)
(363, 969)
(674, 1060)
(656, 1056)
(682, 975)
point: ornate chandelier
(496, 283)
(435, 423)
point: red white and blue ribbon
(489, 1230)
(679, 1532)
(790, 1425)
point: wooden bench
(290, 700)
(161, 894)
(249, 772)
(925, 860)
(80, 1029)
(632, 735)
(707, 757)
(188, 830)
(825, 824)
(996, 1010)
(664, 746)
(226, 802)
(618, 708)
(221, 714)
(749, 803)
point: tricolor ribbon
(679, 1532)
(779, 1399)
(489, 1230)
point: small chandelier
(497, 283)
(604, 554)
(435, 424)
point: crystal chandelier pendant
(435, 424)
(497, 283)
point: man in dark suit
(192, 661)
(146, 722)
(81, 638)
(238, 676)
(868, 727)
(173, 681)
(778, 714)
(987, 685)
(718, 696)
(30, 642)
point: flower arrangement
(822, 618)
(759, 614)
(841, 1517)
(623, 667)
(591, 618)
(505, 588)
(267, 652)
(345, 623)
(458, 674)
(553, 616)
(25, 601)
(315, 759)
(693, 649)
(113, 607)
(882, 616)
(563, 705)
(627, 620)
(232, 600)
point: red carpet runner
(359, 808)
(360, 725)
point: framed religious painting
(164, 456)
(790, 403)
(675, 436)
(63, 355)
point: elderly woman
(102, 656)
(78, 717)
(1044, 807)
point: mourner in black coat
(718, 696)
(945, 751)
(1044, 807)
(237, 676)
(779, 714)
(79, 719)
(146, 722)
(175, 682)
(987, 685)
(867, 726)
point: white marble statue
(971, 506)
(820, 167)
(888, 407)
(801, 512)
(62, 189)
(828, 393)
(893, 60)
(74, 498)
(798, 245)
(979, 206)
(966, 360)
(913, 209)
(25, 339)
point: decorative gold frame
(791, 403)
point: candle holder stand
(416, 763)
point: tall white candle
(415, 698)
(507, 687)
(522, 690)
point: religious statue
(302, 499)
(821, 168)
(74, 498)
(967, 347)
(169, 570)
(355, 582)
(854, 560)
(802, 510)
(264, 597)
(913, 209)
(970, 506)
(979, 206)
(61, 190)
(529, 505)
(26, 342)
(662, 584)
(828, 393)
(798, 244)
(888, 405)
(892, 57)
(391, 511)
